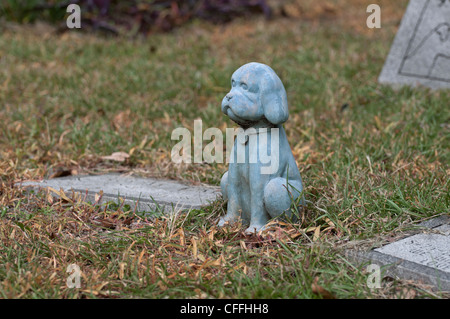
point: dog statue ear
(274, 99)
(444, 31)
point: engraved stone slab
(432, 250)
(420, 54)
(422, 257)
(146, 194)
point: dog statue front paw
(254, 229)
(224, 220)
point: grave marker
(422, 257)
(420, 54)
(147, 193)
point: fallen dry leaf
(116, 156)
(319, 290)
(106, 223)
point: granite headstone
(420, 54)
(142, 194)
(423, 256)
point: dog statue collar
(243, 135)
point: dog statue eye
(244, 86)
(233, 83)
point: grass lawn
(374, 161)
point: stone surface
(420, 54)
(432, 250)
(423, 257)
(149, 194)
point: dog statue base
(263, 180)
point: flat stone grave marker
(144, 194)
(423, 257)
(420, 54)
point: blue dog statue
(263, 179)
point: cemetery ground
(374, 161)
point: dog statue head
(257, 97)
